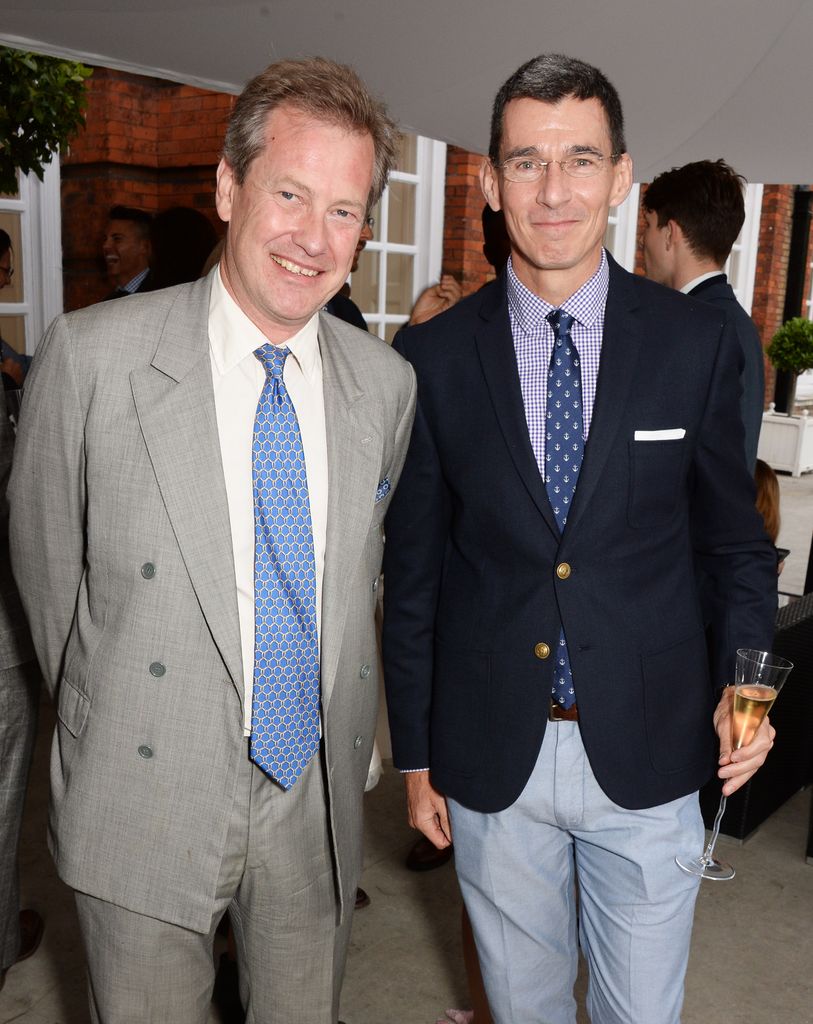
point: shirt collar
(135, 282)
(585, 305)
(699, 280)
(232, 336)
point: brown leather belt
(556, 713)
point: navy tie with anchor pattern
(564, 448)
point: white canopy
(698, 78)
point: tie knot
(561, 323)
(273, 358)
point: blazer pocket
(73, 708)
(657, 470)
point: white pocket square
(660, 435)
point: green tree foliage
(791, 348)
(42, 102)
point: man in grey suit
(693, 215)
(197, 511)
(20, 931)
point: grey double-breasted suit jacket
(122, 552)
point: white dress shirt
(238, 379)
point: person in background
(20, 930)
(126, 250)
(341, 305)
(13, 365)
(693, 215)
(768, 505)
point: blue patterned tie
(285, 705)
(564, 448)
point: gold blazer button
(541, 650)
(563, 570)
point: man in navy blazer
(550, 696)
(693, 215)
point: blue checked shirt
(533, 344)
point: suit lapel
(175, 405)
(354, 447)
(498, 360)
(620, 349)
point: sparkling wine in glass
(759, 677)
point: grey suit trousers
(277, 881)
(19, 701)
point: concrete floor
(752, 951)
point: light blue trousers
(518, 871)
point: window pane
(401, 228)
(407, 159)
(10, 223)
(399, 283)
(12, 332)
(364, 283)
(12, 195)
(390, 331)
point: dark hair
(140, 218)
(5, 242)
(552, 77)
(182, 239)
(706, 199)
(329, 92)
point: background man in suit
(545, 658)
(126, 250)
(693, 217)
(197, 515)
(20, 931)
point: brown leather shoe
(425, 856)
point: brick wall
(771, 275)
(147, 143)
(462, 226)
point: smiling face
(126, 250)
(556, 225)
(295, 221)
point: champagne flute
(759, 677)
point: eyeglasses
(527, 169)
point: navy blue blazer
(472, 596)
(719, 292)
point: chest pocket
(657, 470)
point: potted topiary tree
(786, 441)
(791, 352)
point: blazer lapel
(175, 404)
(354, 447)
(498, 360)
(620, 350)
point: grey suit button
(148, 570)
(365, 671)
(157, 669)
(357, 742)
(145, 752)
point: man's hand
(737, 766)
(427, 809)
(436, 299)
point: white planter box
(786, 442)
